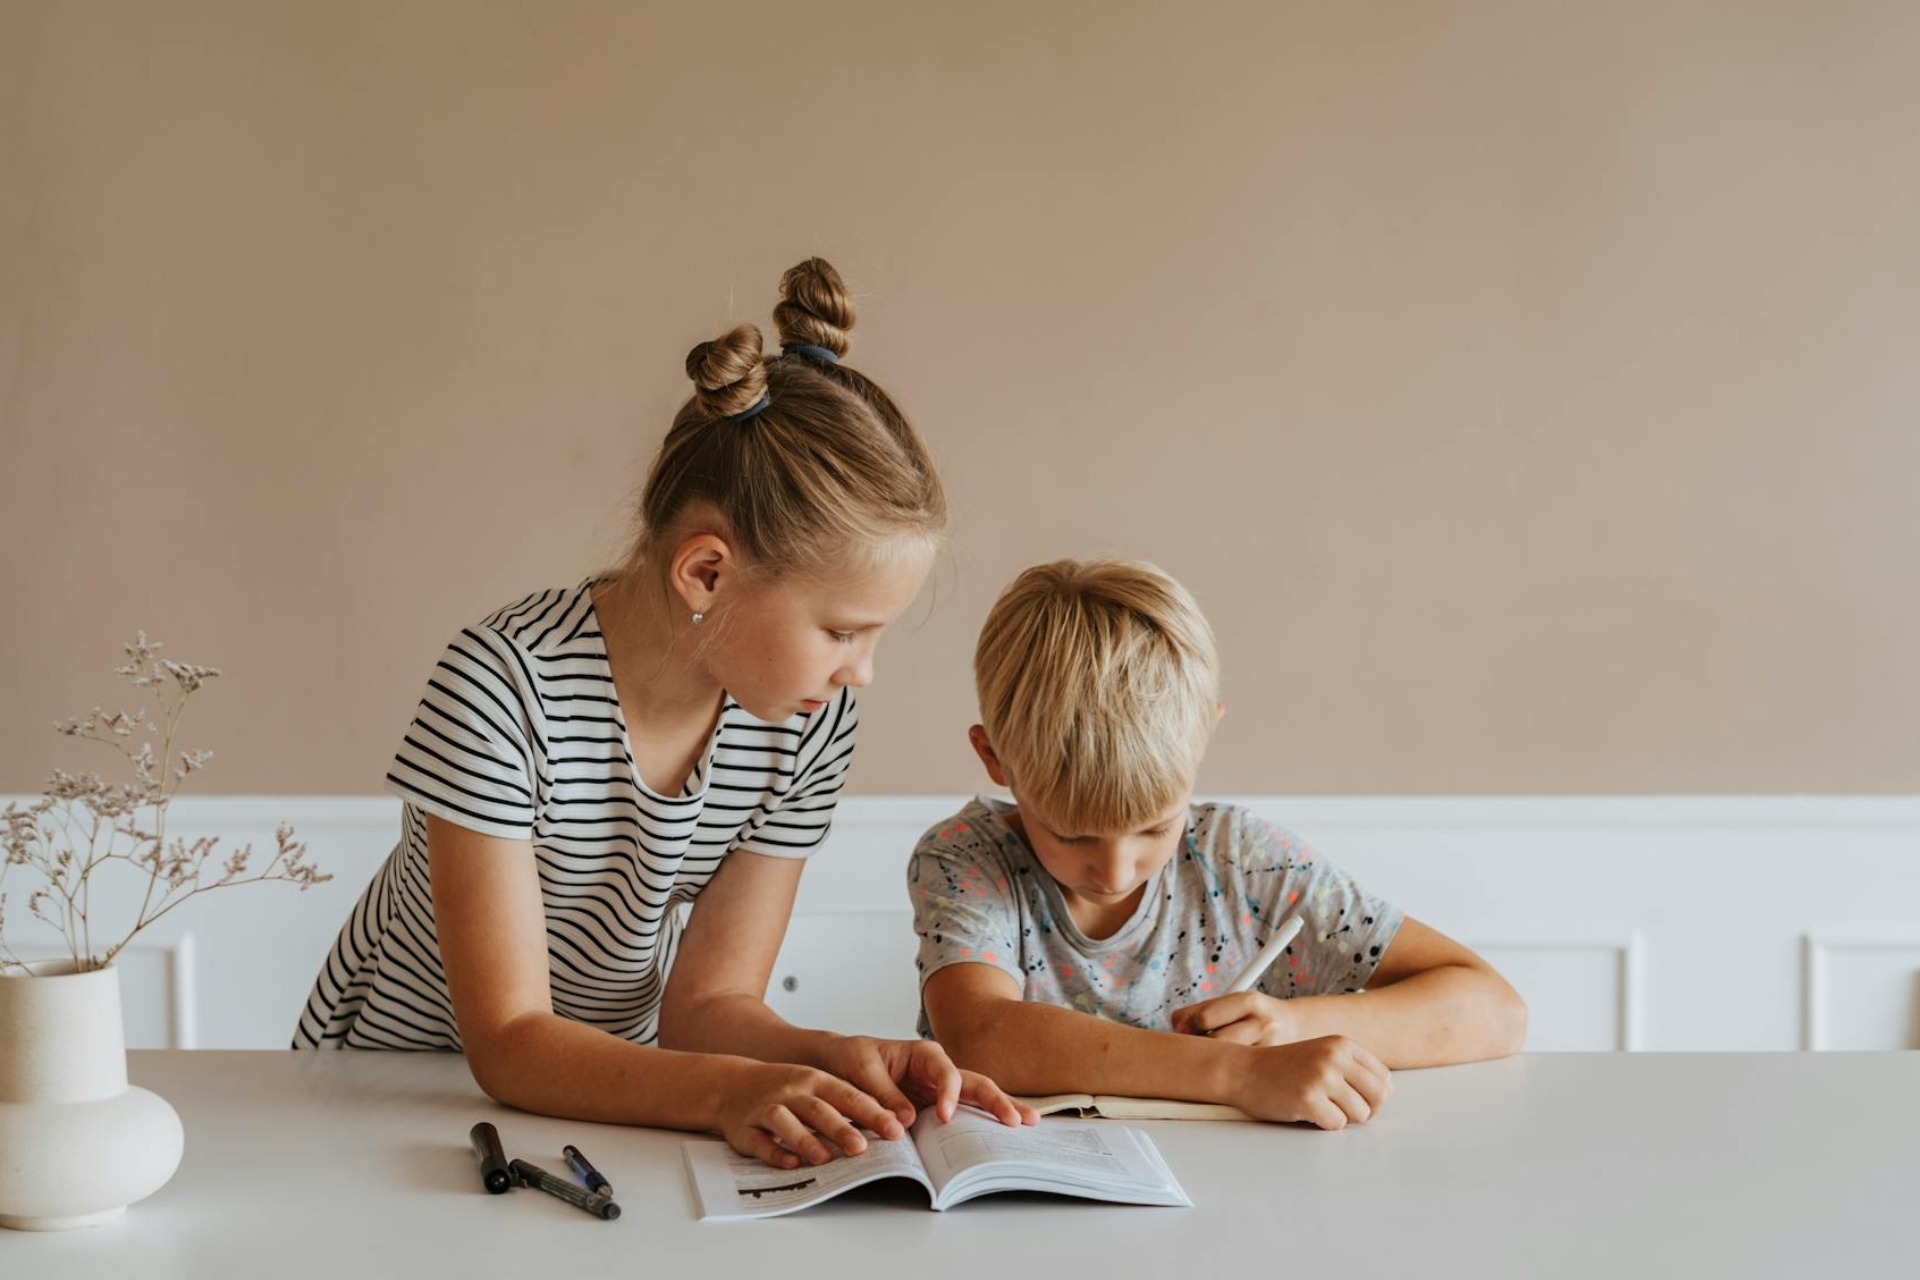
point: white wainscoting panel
(1863, 990)
(849, 970)
(1715, 923)
(1583, 995)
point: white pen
(1245, 979)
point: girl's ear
(984, 749)
(698, 570)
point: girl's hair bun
(815, 309)
(828, 474)
(728, 376)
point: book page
(731, 1185)
(1120, 1108)
(1052, 1103)
(1067, 1151)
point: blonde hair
(829, 469)
(1099, 690)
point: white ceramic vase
(77, 1143)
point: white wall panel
(1863, 990)
(1685, 923)
(1582, 996)
(849, 970)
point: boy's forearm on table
(1039, 1049)
(1450, 1014)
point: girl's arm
(492, 930)
(1430, 1002)
(715, 1000)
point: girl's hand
(1330, 1082)
(1246, 1017)
(780, 1113)
(899, 1071)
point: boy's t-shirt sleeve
(964, 905)
(1345, 930)
(468, 755)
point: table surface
(323, 1164)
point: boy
(1081, 939)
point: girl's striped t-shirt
(520, 735)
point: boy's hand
(891, 1070)
(1246, 1017)
(1330, 1082)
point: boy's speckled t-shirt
(981, 897)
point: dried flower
(188, 677)
(81, 821)
(140, 666)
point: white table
(349, 1164)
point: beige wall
(1528, 391)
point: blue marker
(577, 1161)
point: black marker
(532, 1175)
(493, 1161)
(583, 1169)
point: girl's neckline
(695, 787)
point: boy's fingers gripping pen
(1244, 980)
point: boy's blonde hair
(1099, 689)
(828, 469)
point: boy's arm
(1429, 1003)
(977, 1011)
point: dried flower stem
(84, 815)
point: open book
(970, 1155)
(1110, 1107)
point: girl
(588, 761)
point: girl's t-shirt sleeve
(468, 755)
(1345, 929)
(964, 905)
(798, 822)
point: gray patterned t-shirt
(981, 897)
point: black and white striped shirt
(520, 735)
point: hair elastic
(822, 354)
(751, 411)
